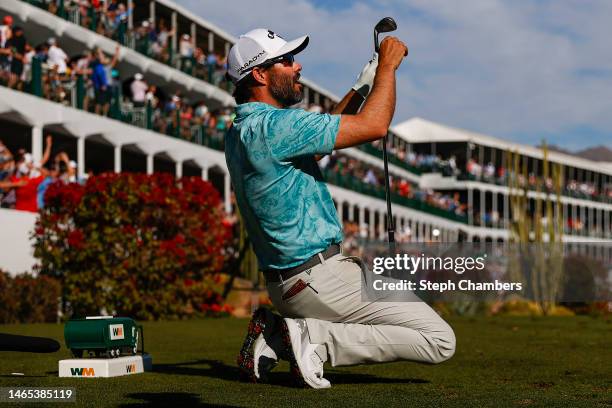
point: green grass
(501, 361)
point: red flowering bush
(127, 243)
(28, 299)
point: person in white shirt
(57, 58)
(186, 50)
(139, 91)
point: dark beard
(281, 89)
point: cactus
(541, 265)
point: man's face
(283, 83)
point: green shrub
(28, 299)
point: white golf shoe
(306, 364)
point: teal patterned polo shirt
(287, 208)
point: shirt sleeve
(294, 132)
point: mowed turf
(500, 361)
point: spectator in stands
(26, 76)
(101, 84)
(145, 36)
(151, 96)
(186, 52)
(5, 51)
(118, 22)
(186, 117)
(17, 45)
(7, 165)
(199, 59)
(489, 172)
(163, 41)
(56, 57)
(139, 91)
(28, 177)
(211, 62)
(84, 68)
(66, 168)
(102, 80)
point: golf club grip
(12, 342)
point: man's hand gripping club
(373, 121)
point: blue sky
(519, 70)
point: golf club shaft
(390, 226)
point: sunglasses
(287, 60)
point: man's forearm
(380, 105)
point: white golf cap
(138, 77)
(256, 47)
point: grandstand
(163, 105)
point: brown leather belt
(275, 275)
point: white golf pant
(357, 332)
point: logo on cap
(249, 62)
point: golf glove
(365, 80)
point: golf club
(384, 26)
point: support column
(482, 207)
(205, 173)
(178, 169)
(193, 35)
(494, 208)
(606, 224)
(130, 4)
(37, 143)
(150, 163)
(351, 214)
(371, 226)
(361, 216)
(174, 27)
(506, 211)
(470, 209)
(117, 159)
(227, 193)
(339, 206)
(598, 217)
(80, 158)
(152, 13)
(211, 42)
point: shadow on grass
(166, 399)
(214, 369)
(220, 370)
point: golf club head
(385, 25)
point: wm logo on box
(130, 368)
(116, 332)
(82, 372)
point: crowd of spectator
(170, 113)
(492, 174)
(153, 39)
(23, 181)
(347, 166)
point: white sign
(111, 367)
(116, 332)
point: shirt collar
(246, 109)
